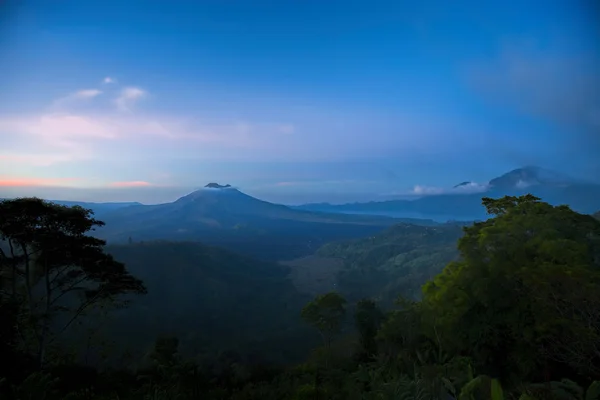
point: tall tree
(326, 313)
(527, 284)
(367, 319)
(54, 269)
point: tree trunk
(45, 318)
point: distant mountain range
(550, 186)
(222, 215)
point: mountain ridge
(229, 218)
(551, 186)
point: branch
(71, 288)
(78, 312)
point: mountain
(211, 299)
(530, 176)
(550, 186)
(224, 216)
(214, 185)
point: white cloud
(60, 137)
(108, 80)
(76, 97)
(128, 97)
(470, 187)
(87, 93)
(427, 190)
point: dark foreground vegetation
(516, 315)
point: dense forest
(507, 308)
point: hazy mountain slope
(212, 299)
(396, 261)
(550, 186)
(227, 217)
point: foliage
(397, 260)
(514, 317)
(326, 313)
(52, 267)
(524, 292)
(212, 300)
(368, 318)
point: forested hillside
(397, 260)
(212, 299)
(516, 315)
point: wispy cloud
(559, 87)
(40, 159)
(466, 188)
(20, 182)
(130, 184)
(128, 97)
(108, 80)
(78, 96)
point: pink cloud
(131, 184)
(21, 182)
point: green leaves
(528, 279)
(367, 319)
(326, 312)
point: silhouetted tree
(52, 267)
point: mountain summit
(214, 185)
(530, 176)
(223, 215)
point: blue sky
(292, 101)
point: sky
(292, 101)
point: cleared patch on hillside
(314, 274)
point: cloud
(21, 182)
(466, 188)
(130, 184)
(87, 93)
(76, 97)
(561, 88)
(128, 97)
(40, 159)
(109, 80)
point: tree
(326, 313)
(367, 319)
(528, 278)
(53, 269)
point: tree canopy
(51, 266)
(526, 286)
(516, 315)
